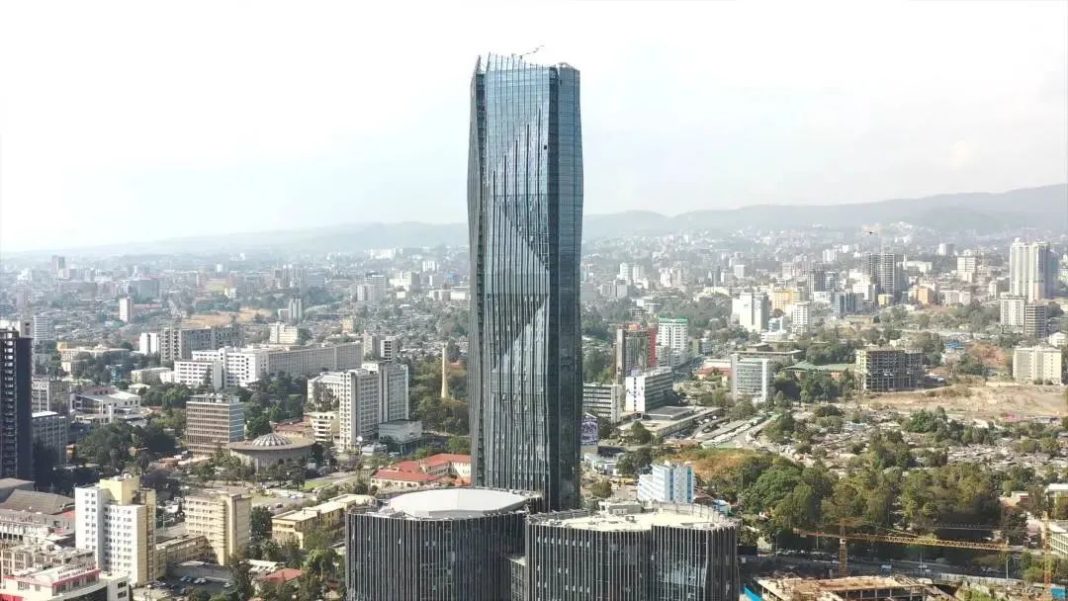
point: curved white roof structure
(451, 503)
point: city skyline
(267, 136)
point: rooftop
(271, 441)
(38, 502)
(340, 503)
(694, 517)
(452, 503)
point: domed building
(271, 449)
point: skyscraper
(1032, 270)
(16, 425)
(885, 272)
(524, 199)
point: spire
(445, 370)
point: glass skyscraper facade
(525, 224)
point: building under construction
(876, 588)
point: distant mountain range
(1044, 207)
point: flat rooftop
(454, 503)
(692, 517)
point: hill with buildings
(1044, 208)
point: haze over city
(629, 301)
(215, 118)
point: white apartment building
(126, 309)
(116, 520)
(751, 378)
(1032, 270)
(283, 333)
(648, 390)
(668, 483)
(1037, 364)
(392, 389)
(148, 343)
(1012, 310)
(751, 310)
(196, 373)
(673, 334)
(800, 316)
(240, 367)
(357, 393)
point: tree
(258, 426)
(240, 578)
(633, 462)
(601, 489)
(260, 523)
(639, 434)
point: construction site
(880, 588)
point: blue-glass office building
(524, 196)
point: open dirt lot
(206, 320)
(994, 400)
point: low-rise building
(325, 518)
(149, 375)
(401, 431)
(648, 390)
(39, 556)
(179, 550)
(272, 449)
(668, 483)
(74, 582)
(604, 400)
(323, 425)
(48, 393)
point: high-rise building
(1036, 320)
(887, 275)
(525, 196)
(16, 425)
(1012, 310)
(148, 343)
(632, 351)
(801, 316)
(116, 519)
(752, 310)
(357, 393)
(212, 422)
(628, 551)
(817, 278)
(392, 389)
(672, 335)
(176, 344)
(668, 483)
(1032, 270)
(751, 378)
(44, 330)
(126, 309)
(51, 430)
(223, 519)
(1037, 364)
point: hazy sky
(142, 120)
